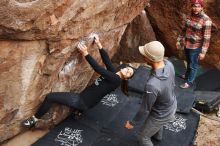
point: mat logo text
(177, 125)
(69, 137)
(110, 100)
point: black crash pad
(84, 132)
(138, 81)
(185, 97)
(90, 124)
(105, 111)
(116, 127)
(114, 134)
(208, 81)
(68, 133)
(112, 140)
(207, 101)
(179, 65)
(180, 132)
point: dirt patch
(208, 133)
(26, 139)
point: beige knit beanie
(154, 51)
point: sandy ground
(26, 139)
(208, 134)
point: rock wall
(137, 33)
(38, 54)
(166, 19)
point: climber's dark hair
(124, 83)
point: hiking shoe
(185, 86)
(30, 122)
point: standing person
(159, 100)
(109, 80)
(195, 38)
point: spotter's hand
(128, 125)
(201, 56)
(82, 49)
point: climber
(109, 80)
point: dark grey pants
(152, 127)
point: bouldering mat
(179, 65)
(116, 127)
(68, 133)
(208, 81)
(138, 81)
(185, 97)
(105, 111)
(207, 101)
(180, 132)
(104, 125)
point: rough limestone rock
(166, 19)
(38, 54)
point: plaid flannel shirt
(196, 32)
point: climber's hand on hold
(97, 41)
(82, 49)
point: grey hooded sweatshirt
(159, 98)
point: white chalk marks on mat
(69, 137)
(177, 125)
(110, 100)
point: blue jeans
(192, 58)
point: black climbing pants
(65, 98)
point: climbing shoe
(30, 122)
